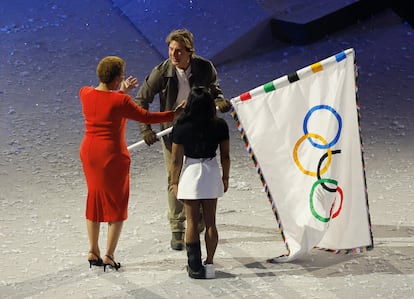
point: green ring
(314, 213)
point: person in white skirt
(196, 176)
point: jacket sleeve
(150, 87)
(214, 85)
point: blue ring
(305, 126)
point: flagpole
(159, 134)
(142, 142)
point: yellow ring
(296, 159)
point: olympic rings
(338, 117)
(319, 171)
(312, 207)
(295, 154)
(334, 215)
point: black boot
(195, 267)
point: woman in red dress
(104, 154)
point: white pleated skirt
(200, 179)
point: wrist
(146, 131)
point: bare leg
(176, 214)
(211, 234)
(93, 235)
(114, 232)
(192, 211)
(192, 239)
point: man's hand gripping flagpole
(142, 142)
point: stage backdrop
(302, 133)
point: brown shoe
(177, 241)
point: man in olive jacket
(172, 80)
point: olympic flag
(302, 133)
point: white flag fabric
(302, 133)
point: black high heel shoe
(95, 262)
(115, 265)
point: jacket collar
(171, 68)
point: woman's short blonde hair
(184, 37)
(109, 68)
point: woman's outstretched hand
(129, 84)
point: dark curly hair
(109, 68)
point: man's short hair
(184, 37)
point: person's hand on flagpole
(223, 105)
(149, 137)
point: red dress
(103, 151)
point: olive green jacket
(163, 81)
